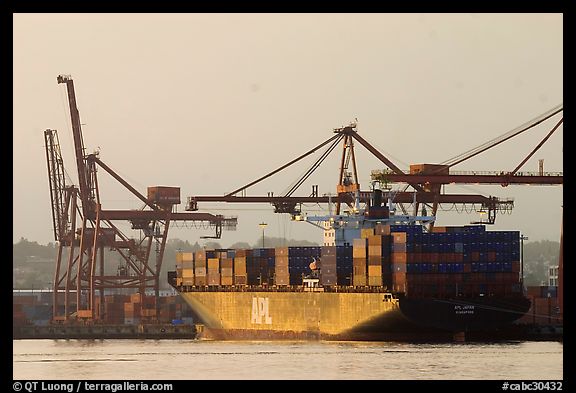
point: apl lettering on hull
(261, 311)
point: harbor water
(135, 360)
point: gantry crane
(348, 187)
(433, 176)
(426, 179)
(84, 229)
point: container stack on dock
(544, 309)
(132, 310)
(112, 309)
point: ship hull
(340, 316)
(474, 314)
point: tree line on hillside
(33, 264)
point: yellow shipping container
(366, 232)
(213, 263)
(375, 281)
(240, 266)
(187, 273)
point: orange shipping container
(281, 251)
(382, 229)
(399, 257)
(213, 278)
(437, 169)
(374, 240)
(374, 270)
(226, 263)
(163, 194)
(151, 312)
(281, 270)
(187, 273)
(281, 262)
(226, 272)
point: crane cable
(314, 166)
(493, 142)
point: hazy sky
(210, 102)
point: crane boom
(86, 195)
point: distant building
(553, 276)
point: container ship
(374, 278)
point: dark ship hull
(480, 313)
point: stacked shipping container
(402, 258)
(359, 259)
(293, 263)
(336, 265)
